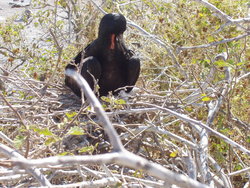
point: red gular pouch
(112, 44)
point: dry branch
(159, 108)
(225, 18)
(121, 156)
(104, 182)
(16, 112)
(212, 43)
(239, 171)
(222, 14)
(195, 122)
(158, 130)
(113, 136)
(34, 172)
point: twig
(99, 174)
(12, 177)
(242, 77)
(72, 121)
(239, 171)
(212, 43)
(132, 111)
(17, 114)
(105, 182)
(43, 90)
(161, 43)
(103, 11)
(219, 170)
(16, 156)
(6, 138)
(222, 14)
(195, 122)
(161, 131)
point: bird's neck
(108, 41)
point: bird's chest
(113, 73)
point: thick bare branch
(203, 156)
(123, 158)
(113, 136)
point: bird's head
(112, 23)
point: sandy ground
(6, 9)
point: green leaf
(206, 99)
(120, 101)
(76, 131)
(205, 62)
(237, 167)
(106, 99)
(50, 141)
(230, 61)
(225, 130)
(45, 132)
(201, 15)
(239, 64)
(222, 63)
(194, 61)
(70, 115)
(104, 106)
(248, 139)
(36, 24)
(174, 154)
(87, 149)
(189, 109)
(19, 141)
(65, 153)
(210, 39)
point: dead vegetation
(186, 123)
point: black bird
(107, 60)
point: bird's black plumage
(106, 59)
